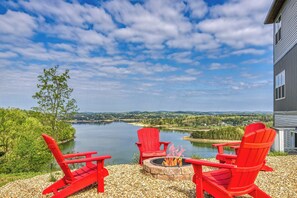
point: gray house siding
(285, 110)
(285, 59)
(289, 64)
(288, 29)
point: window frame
(278, 29)
(280, 85)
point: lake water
(118, 140)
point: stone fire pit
(155, 168)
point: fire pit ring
(155, 168)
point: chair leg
(258, 193)
(54, 187)
(140, 160)
(198, 181)
(100, 183)
(266, 168)
(100, 177)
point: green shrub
(22, 147)
(226, 133)
(277, 153)
(195, 156)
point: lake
(118, 140)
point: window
(278, 29)
(280, 82)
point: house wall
(289, 64)
(285, 110)
(285, 58)
(288, 32)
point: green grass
(195, 156)
(277, 153)
(6, 178)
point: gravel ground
(130, 181)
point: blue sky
(190, 55)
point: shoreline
(188, 138)
(162, 127)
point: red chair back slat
(53, 146)
(254, 127)
(251, 157)
(150, 139)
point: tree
(54, 96)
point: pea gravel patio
(130, 181)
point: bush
(226, 133)
(21, 144)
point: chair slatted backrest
(254, 127)
(251, 156)
(150, 139)
(53, 147)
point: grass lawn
(6, 178)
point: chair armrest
(227, 144)
(234, 147)
(79, 154)
(221, 146)
(228, 156)
(212, 164)
(101, 158)
(139, 145)
(165, 145)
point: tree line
(208, 121)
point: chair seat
(84, 171)
(154, 153)
(221, 177)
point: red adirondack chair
(149, 144)
(230, 159)
(79, 179)
(236, 179)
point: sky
(167, 55)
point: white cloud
(241, 8)
(237, 32)
(198, 8)
(198, 41)
(148, 23)
(257, 61)
(175, 78)
(249, 75)
(248, 51)
(239, 23)
(192, 71)
(250, 85)
(16, 24)
(183, 57)
(72, 14)
(219, 66)
(7, 54)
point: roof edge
(273, 11)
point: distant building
(283, 14)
